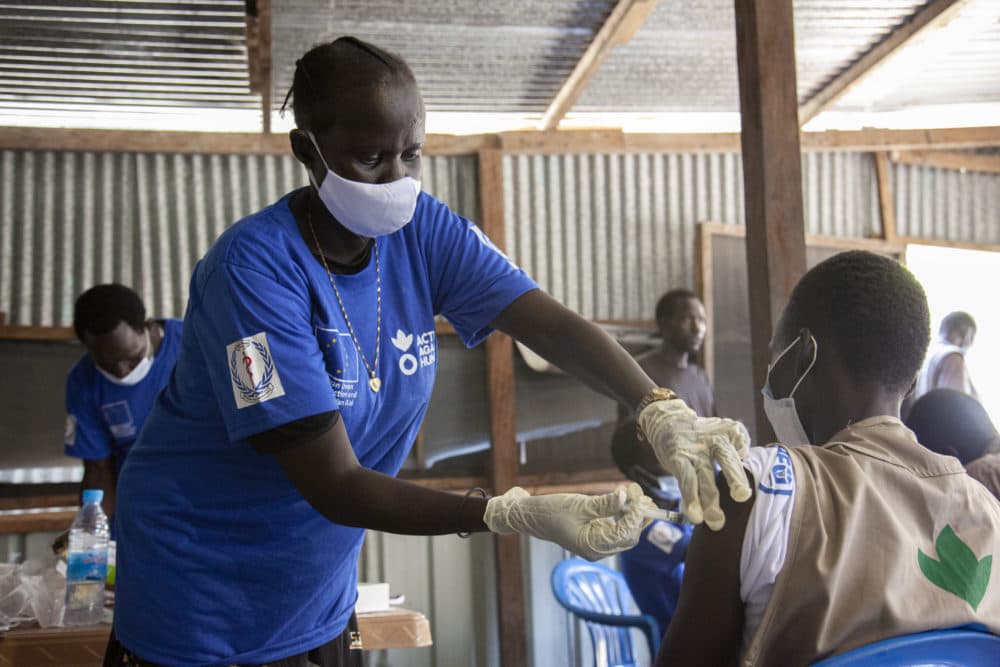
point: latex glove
(592, 527)
(687, 446)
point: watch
(653, 395)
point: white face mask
(137, 374)
(367, 209)
(781, 412)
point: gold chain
(373, 381)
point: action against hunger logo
(426, 349)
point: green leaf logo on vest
(958, 571)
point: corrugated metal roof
(957, 64)
(684, 58)
(129, 52)
(174, 57)
(511, 55)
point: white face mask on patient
(781, 412)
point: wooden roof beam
(987, 164)
(259, 56)
(933, 16)
(619, 28)
(563, 142)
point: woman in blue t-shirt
(307, 362)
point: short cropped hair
(871, 309)
(330, 71)
(946, 420)
(668, 303)
(102, 307)
(957, 321)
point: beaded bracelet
(461, 509)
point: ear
(302, 148)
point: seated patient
(955, 424)
(866, 534)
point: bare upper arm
(314, 466)
(707, 627)
(101, 474)
(952, 374)
(530, 316)
(99, 468)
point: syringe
(664, 515)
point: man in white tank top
(945, 366)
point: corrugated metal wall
(946, 205)
(71, 220)
(608, 234)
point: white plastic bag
(32, 591)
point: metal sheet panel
(509, 55)
(957, 63)
(608, 234)
(946, 205)
(684, 57)
(72, 220)
(130, 52)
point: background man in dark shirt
(680, 317)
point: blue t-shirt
(222, 560)
(103, 419)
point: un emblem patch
(252, 371)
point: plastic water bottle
(87, 562)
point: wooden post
(772, 176)
(259, 56)
(886, 206)
(503, 454)
(704, 285)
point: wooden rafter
(621, 25)
(932, 16)
(989, 164)
(540, 143)
(259, 55)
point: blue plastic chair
(937, 648)
(600, 596)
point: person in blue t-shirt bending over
(111, 390)
(307, 362)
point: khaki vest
(866, 505)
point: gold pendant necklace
(373, 381)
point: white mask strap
(809, 368)
(783, 352)
(312, 138)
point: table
(84, 646)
